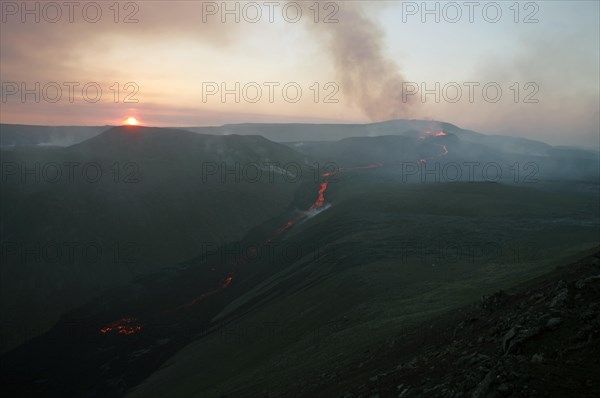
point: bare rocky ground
(541, 339)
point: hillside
(539, 339)
(379, 261)
(22, 135)
(147, 199)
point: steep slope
(378, 262)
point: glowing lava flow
(429, 134)
(312, 210)
(321, 198)
(320, 201)
(125, 326)
(224, 285)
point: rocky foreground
(539, 340)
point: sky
(527, 69)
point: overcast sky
(353, 62)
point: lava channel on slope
(128, 326)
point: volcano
(291, 280)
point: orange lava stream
(321, 198)
(319, 203)
(428, 134)
(124, 326)
(444, 148)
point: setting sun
(132, 121)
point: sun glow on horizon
(131, 121)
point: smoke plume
(367, 77)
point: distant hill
(12, 135)
(20, 135)
(518, 160)
(292, 132)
